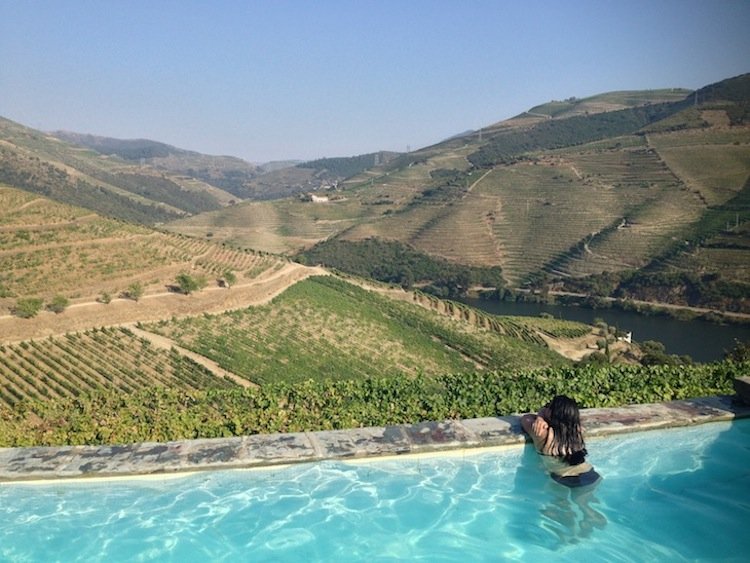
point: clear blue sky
(281, 79)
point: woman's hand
(540, 427)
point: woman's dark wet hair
(565, 420)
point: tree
(188, 284)
(105, 298)
(134, 291)
(654, 353)
(27, 307)
(58, 304)
(229, 278)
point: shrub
(134, 291)
(27, 307)
(229, 278)
(159, 414)
(58, 304)
(188, 284)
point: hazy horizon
(288, 80)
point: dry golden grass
(716, 172)
(49, 248)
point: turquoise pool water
(672, 495)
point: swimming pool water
(681, 494)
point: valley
(137, 274)
(623, 182)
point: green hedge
(164, 414)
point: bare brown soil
(154, 307)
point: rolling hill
(109, 185)
(624, 181)
(635, 181)
(271, 322)
(48, 249)
(241, 179)
(225, 172)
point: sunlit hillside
(48, 249)
(109, 185)
(616, 182)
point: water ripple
(487, 507)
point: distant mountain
(636, 181)
(342, 168)
(226, 172)
(110, 185)
(244, 180)
(275, 165)
(283, 181)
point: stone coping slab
(264, 450)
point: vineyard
(99, 359)
(616, 182)
(321, 328)
(526, 329)
(48, 248)
(326, 328)
(160, 414)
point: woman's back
(557, 435)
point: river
(701, 340)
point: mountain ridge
(547, 198)
(581, 190)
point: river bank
(703, 340)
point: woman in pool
(556, 432)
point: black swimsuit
(572, 481)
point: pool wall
(262, 450)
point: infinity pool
(672, 495)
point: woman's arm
(536, 427)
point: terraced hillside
(48, 249)
(327, 328)
(99, 359)
(611, 101)
(228, 174)
(323, 328)
(109, 185)
(280, 226)
(615, 182)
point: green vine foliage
(160, 414)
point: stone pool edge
(266, 450)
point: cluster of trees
(28, 307)
(164, 190)
(707, 290)
(506, 147)
(346, 167)
(395, 262)
(735, 90)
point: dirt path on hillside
(482, 177)
(155, 307)
(573, 348)
(165, 343)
